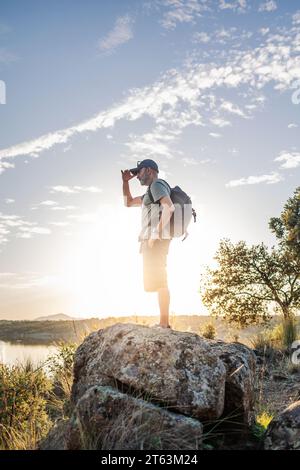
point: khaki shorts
(155, 264)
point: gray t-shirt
(151, 212)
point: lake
(16, 353)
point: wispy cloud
(264, 31)
(121, 33)
(222, 36)
(28, 232)
(292, 125)
(296, 17)
(48, 203)
(236, 5)
(233, 151)
(12, 225)
(152, 143)
(189, 161)
(177, 98)
(181, 11)
(74, 189)
(59, 224)
(5, 165)
(9, 200)
(27, 280)
(201, 37)
(268, 179)
(189, 11)
(63, 208)
(271, 5)
(289, 159)
(233, 109)
(219, 122)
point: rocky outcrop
(283, 432)
(178, 379)
(240, 363)
(174, 369)
(107, 419)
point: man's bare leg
(164, 303)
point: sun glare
(102, 269)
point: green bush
(31, 398)
(262, 421)
(208, 331)
(23, 416)
(280, 337)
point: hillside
(57, 317)
(53, 331)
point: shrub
(31, 397)
(208, 331)
(262, 421)
(280, 337)
(262, 342)
(60, 366)
(23, 417)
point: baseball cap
(144, 164)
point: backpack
(183, 213)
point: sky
(209, 89)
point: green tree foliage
(249, 279)
(287, 226)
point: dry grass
(136, 429)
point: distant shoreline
(53, 332)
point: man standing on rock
(157, 209)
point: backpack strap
(150, 194)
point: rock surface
(175, 369)
(57, 437)
(148, 375)
(172, 368)
(240, 363)
(283, 432)
(107, 419)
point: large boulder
(179, 370)
(283, 432)
(138, 387)
(107, 419)
(240, 363)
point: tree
(249, 280)
(287, 226)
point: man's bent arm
(126, 193)
(130, 201)
(166, 214)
